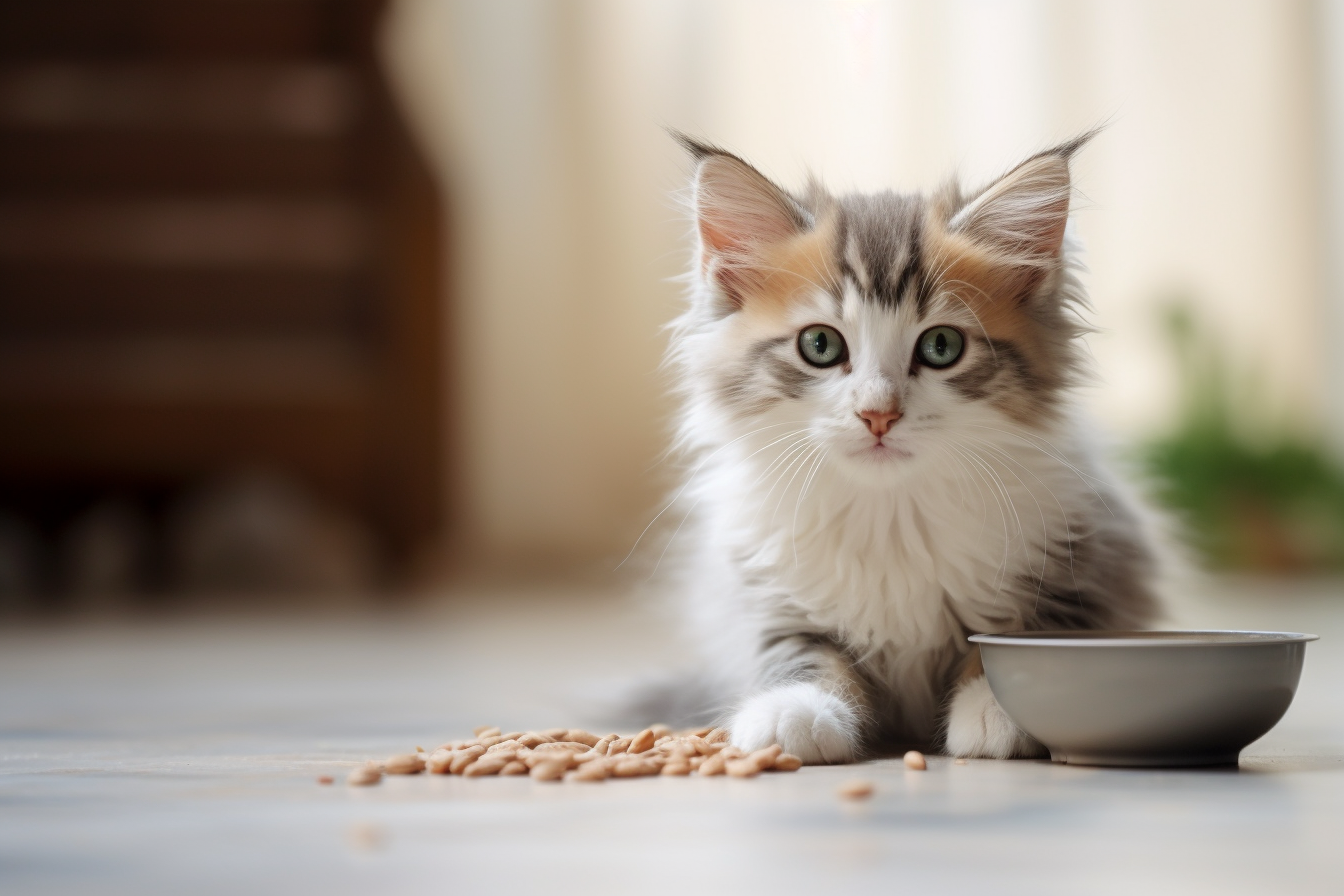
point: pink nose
(880, 422)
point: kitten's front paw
(805, 720)
(978, 726)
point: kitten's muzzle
(879, 423)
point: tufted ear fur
(1020, 218)
(1015, 226)
(739, 214)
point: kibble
(463, 758)
(550, 770)
(436, 763)
(915, 760)
(589, 771)
(404, 764)
(579, 736)
(764, 759)
(486, 765)
(714, 765)
(741, 768)
(634, 768)
(572, 754)
(364, 777)
(856, 789)
(325, 779)
(533, 739)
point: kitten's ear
(1021, 216)
(739, 213)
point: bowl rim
(1137, 638)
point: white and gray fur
(832, 581)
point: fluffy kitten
(884, 455)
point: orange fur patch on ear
(792, 267)
(1002, 245)
(993, 290)
(1001, 293)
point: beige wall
(544, 119)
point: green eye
(821, 346)
(940, 346)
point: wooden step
(139, 444)
(45, 164)
(208, 371)
(323, 233)
(298, 99)
(85, 300)
(189, 29)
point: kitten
(885, 458)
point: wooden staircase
(218, 249)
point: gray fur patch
(972, 383)
(764, 378)
(788, 378)
(1004, 356)
(881, 249)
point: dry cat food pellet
(550, 770)
(486, 765)
(741, 768)
(856, 789)
(636, 768)
(958, 761)
(714, 765)
(915, 760)
(325, 779)
(463, 758)
(573, 754)
(589, 771)
(363, 777)
(404, 764)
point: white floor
(181, 756)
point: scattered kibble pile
(575, 755)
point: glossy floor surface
(182, 755)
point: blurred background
(320, 300)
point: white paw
(805, 720)
(978, 726)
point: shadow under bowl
(1144, 698)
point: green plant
(1273, 504)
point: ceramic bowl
(1144, 698)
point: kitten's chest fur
(908, 570)
(899, 576)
